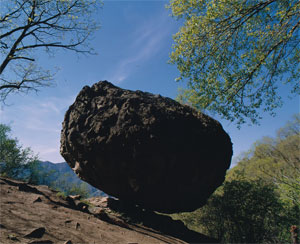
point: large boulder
(145, 149)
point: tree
(242, 211)
(245, 212)
(275, 160)
(235, 53)
(16, 162)
(260, 198)
(27, 26)
(66, 187)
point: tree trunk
(294, 234)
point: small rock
(41, 242)
(12, 237)
(68, 221)
(36, 233)
(76, 204)
(77, 226)
(2, 226)
(75, 197)
(119, 222)
(38, 199)
(98, 201)
(80, 205)
(68, 242)
(101, 214)
(71, 202)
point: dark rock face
(145, 149)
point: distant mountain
(61, 177)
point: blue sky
(133, 47)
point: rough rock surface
(54, 219)
(145, 149)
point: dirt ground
(36, 214)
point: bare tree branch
(28, 25)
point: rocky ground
(37, 214)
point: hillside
(61, 177)
(36, 214)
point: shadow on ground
(156, 221)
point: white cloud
(148, 39)
(42, 114)
(50, 105)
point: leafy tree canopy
(242, 211)
(259, 200)
(275, 160)
(235, 53)
(245, 212)
(16, 162)
(28, 26)
(20, 163)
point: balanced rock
(145, 149)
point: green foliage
(16, 162)
(259, 200)
(246, 212)
(275, 160)
(243, 212)
(61, 195)
(68, 188)
(80, 189)
(20, 163)
(235, 53)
